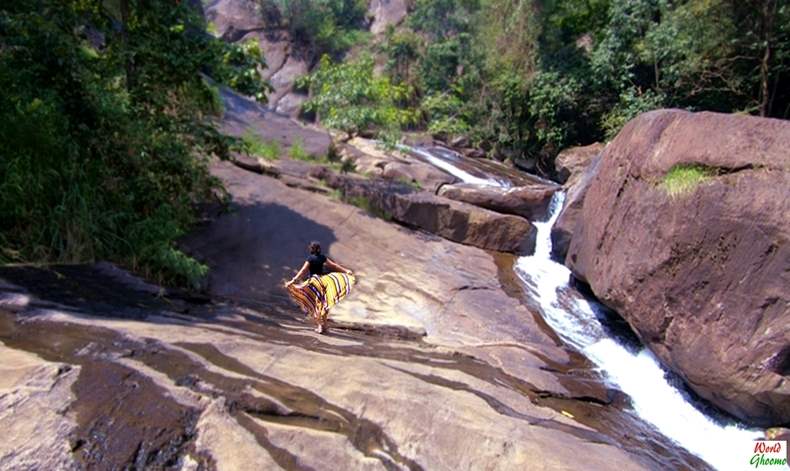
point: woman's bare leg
(320, 322)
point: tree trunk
(129, 62)
(768, 16)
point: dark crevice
(363, 434)
(504, 409)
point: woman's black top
(316, 263)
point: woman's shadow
(253, 249)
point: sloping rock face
(701, 275)
(433, 362)
(232, 19)
(246, 116)
(386, 13)
(572, 162)
(244, 20)
(370, 159)
(456, 221)
(530, 202)
(565, 225)
(483, 168)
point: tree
(105, 131)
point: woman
(320, 291)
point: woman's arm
(335, 267)
(299, 275)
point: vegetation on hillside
(106, 115)
(329, 27)
(105, 124)
(525, 78)
(350, 97)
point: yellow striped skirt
(318, 294)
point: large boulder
(684, 231)
(420, 174)
(243, 115)
(573, 161)
(98, 375)
(386, 13)
(564, 226)
(232, 19)
(371, 159)
(446, 218)
(530, 202)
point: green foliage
(445, 112)
(298, 152)
(553, 100)
(683, 179)
(240, 69)
(412, 183)
(442, 19)
(325, 26)
(402, 50)
(101, 143)
(362, 203)
(254, 144)
(525, 78)
(629, 106)
(351, 98)
(346, 166)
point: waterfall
(638, 374)
(443, 164)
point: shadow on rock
(254, 249)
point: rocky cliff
(684, 231)
(433, 362)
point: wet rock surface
(530, 202)
(486, 168)
(701, 274)
(450, 219)
(371, 159)
(563, 229)
(432, 363)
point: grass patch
(332, 160)
(365, 204)
(683, 179)
(362, 203)
(266, 149)
(412, 183)
(211, 28)
(298, 152)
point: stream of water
(636, 372)
(463, 175)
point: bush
(254, 144)
(631, 104)
(240, 69)
(298, 152)
(103, 146)
(349, 97)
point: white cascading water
(462, 175)
(639, 374)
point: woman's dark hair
(314, 248)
